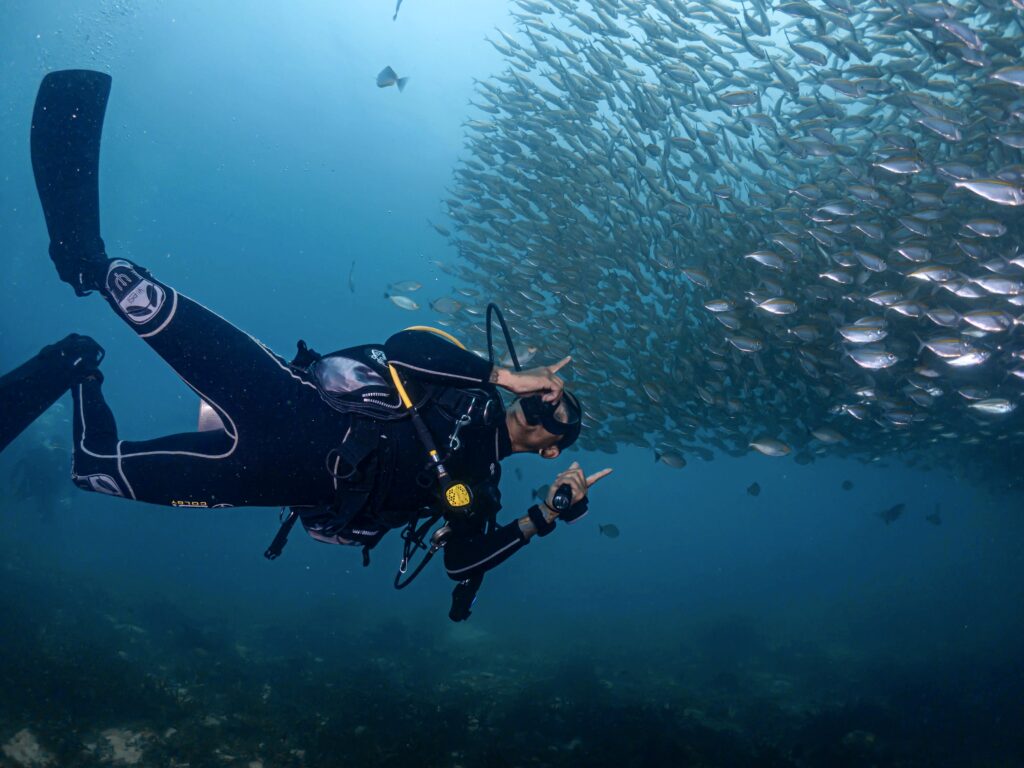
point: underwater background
(251, 161)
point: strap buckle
(454, 443)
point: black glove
(540, 522)
(575, 512)
(463, 597)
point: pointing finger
(598, 475)
(561, 363)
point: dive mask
(536, 411)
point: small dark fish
(892, 514)
(397, 6)
(935, 518)
(671, 458)
(847, 485)
(519, 474)
(540, 492)
(388, 76)
(754, 489)
(351, 281)
(803, 458)
(610, 530)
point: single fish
(402, 302)
(670, 458)
(405, 286)
(769, 446)
(439, 229)
(892, 514)
(994, 190)
(778, 306)
(1014, 75)
(446, 305)
(858, 334)
(388, 77)
(994, 406)
(873, 359)
(828, 435)
(610, 530)
(754, 489)
(746, 344)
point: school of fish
(791, 227)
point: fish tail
(400, 82)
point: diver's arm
(427, 356)
(526, 524)
(471, 554)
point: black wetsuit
(276, 439)
(341, 458)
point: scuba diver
(353, 443)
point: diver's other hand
(577, 481)
(542, 380)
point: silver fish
(873, 359)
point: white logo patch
(142, 302)
(378, 356)
(99, 483)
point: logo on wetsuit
(138, 298)
(378, 356)
(177, 503)
(98, 482)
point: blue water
(248, 160)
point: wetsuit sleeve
(426, 356)
(471, 554)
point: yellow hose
(438, 331)
(401, 389)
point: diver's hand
(577, 481)
(542, 380)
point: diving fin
(67, 124)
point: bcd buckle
(454, 443)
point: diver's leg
(94, 465)
(203, 469)
(228, 368)
(31, 388)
